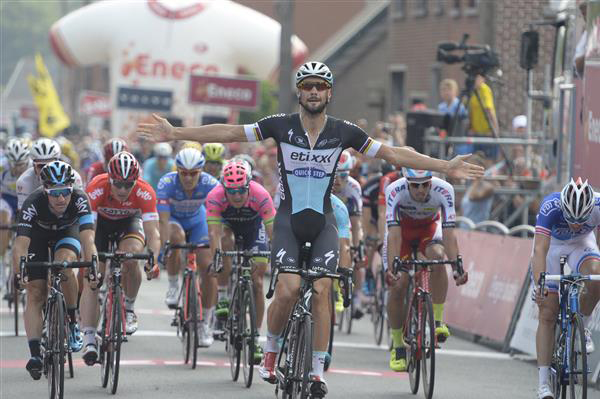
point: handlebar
(58, 265)
(247, 254)
(121, 256)
(457, 265)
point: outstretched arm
(404, 156)
(162, 130)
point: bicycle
(112, 328)
(188, 311)
(13, 296)
(377, 303)
(348, 314)
(419, 327)
(54, 343)
(294, 361)
(569, 368)
(241, 331)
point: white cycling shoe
(205, 335)
(589, 342)
(131, 323)
(545, 392)
(171, 299)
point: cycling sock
(398, 337)
(222, 294)
(318, 362)
(544, 375)
(72, 315)
(89, 336)
(173, 281)
(272, 344)
(208, 315)
(129, 302)
(34, 347)
(438, 312)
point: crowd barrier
(495, 304)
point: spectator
(479, 114)
(476, 204)
(449, 105)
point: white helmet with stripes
(45, 149)
(17, 151)
(577, 201)
(189, 158)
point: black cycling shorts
(107, 229)
(42, 240)
(291, 232)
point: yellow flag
(52, 116)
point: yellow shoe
(441, 331)
(398, 359)
(339, 302)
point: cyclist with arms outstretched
(565, 227)
(309, 144)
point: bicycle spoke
(577, 363)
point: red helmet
(124, 167)
(113, 146)
(235, 174)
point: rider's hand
(19, 284)
(537, 296)
(161, 257)
(94, 280)
(160, 130)
(391, 278)
(462, 279)
(152, 271)
(458, 168)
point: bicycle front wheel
(578, 371)
(379, 310)
(56, 349)
(304, 355)
(116, 338)
(412, 337)
(249, 333)
(234, 344)
(557, 377)
(190, 322)
(427, 345)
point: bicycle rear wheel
(103, 352)
(16, 299)
(249, 333)
(331, 329)
(56, 349)
(348, 313)
(427, 345)
(234, 344)
(116, 338)
(412, 337)
(578, 368)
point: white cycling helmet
(577, 201)
(346, 161)
(314, 69)
(17, 151)
(45, 149)
(416, 174)
(189, 158)
(163, 150)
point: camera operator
(451, 106)
(482, 110)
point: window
(471, 7)
(420, 8)
(397, 88)
(399, 8)
(438, 8)
(455, 11)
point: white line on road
(339, 344)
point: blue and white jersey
(171, 197)
(342, 217)
(551, 222)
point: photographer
(450, 105)
(482, 110)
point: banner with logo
(93, 103)
(52, 117)
(231, 92)
(497, 267)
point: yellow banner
(53, 118)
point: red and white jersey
(95, 169)
(402, 210)
(141, 201)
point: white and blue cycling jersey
(188, 212)
(342, 217)
(578, 246)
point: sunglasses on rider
(343, 175)
(57, 192)
(122, 184)
(308, 86)
(416, 186)
(233, 191)
(191, 173)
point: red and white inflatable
(156, 45)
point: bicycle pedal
(174, 323)
(124, 339)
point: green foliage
(24, 28)
(268, 104)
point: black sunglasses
(308, 86)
